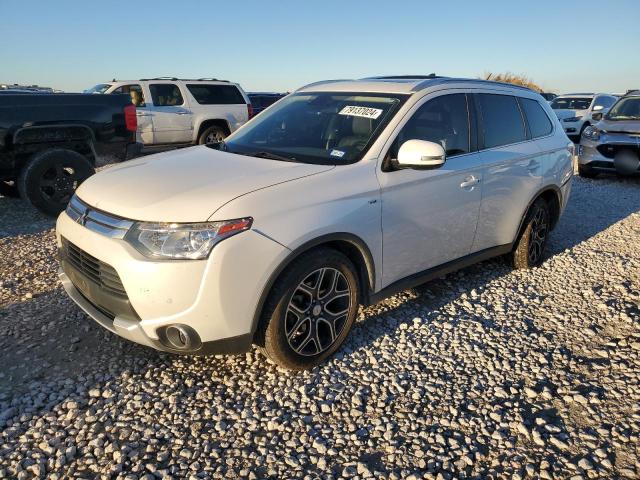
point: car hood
(186, 185)
(622, 126)
(570, 113)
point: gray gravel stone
(485, 373)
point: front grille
(98, 272)
(609, 150)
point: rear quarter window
(216, 94)
(539, 123)
(502, 122)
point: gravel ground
(485, 373)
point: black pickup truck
(49, 143)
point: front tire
(530, 246)
(310, 310)
(51, 177)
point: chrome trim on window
(97, 221)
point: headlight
(191, 241)
(571, 119)
(591, 133)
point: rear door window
(502, 122)
(539, 123)
(165, 94)
(215, 94)
(135, 90)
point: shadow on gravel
(13, 213)
(53, 338)
(600, 203)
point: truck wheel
(212, 135)
(530, 246)
(50, 178)
(310, 310)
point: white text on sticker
(356, 111)
(337, 153)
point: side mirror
(597, 108)
(597, 116)
(420, 154)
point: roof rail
(323, 82)
(403, 77)
(633, 91)
(438, 80)
(204, 79)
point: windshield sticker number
(365, 112)
(337, 153)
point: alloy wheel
(318, 311)
(214, 136)
(538, 236)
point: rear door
(171, 115)
(143, 113)
(513, 168)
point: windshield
(571, 103)
(626, 109)
(324, 128)
(100, 88)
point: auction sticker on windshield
(356, 111)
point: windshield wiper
(272, 156)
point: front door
(429, 217)
(171, 116)
(144, 132)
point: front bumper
(216, 297)
(572, 129)
(599, 155)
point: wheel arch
(552, 195)
(210, 122)
(350, 245)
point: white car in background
(176, 112)
(576, 110)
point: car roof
(172, 79)
(403, 84)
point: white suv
(577, 111)
(175, 111)
(339, 195)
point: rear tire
(51, 177)
(586, 172)
(212, 134)
(310, 310)
(530, 246)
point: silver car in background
(613, 144)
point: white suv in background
(338, 195)
(576, 110)
(175, 111)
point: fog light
(180, 337)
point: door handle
(469, 181)
(183, 113)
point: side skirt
(436, 272)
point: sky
(266, 45)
